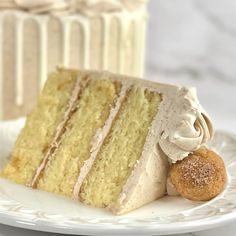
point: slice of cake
(106, 139)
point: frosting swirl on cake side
(187, 126)
(72, 6)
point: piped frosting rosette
(72, 6)
(187, 127)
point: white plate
(32, 209)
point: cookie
(199, 177)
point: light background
(193, 42)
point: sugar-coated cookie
(200, 177)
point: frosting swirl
(187, 127)
(72, 6)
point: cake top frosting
(72, 6)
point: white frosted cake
(35, 36)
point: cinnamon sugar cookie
(200, 177)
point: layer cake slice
(105, 139)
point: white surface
(193, 37)
(33, 209)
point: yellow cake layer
(93, 110)
(121, 149)
(38, 132)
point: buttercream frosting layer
(72, 6)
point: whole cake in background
(35, 36)
(108, 140)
